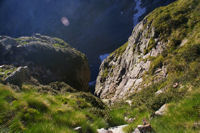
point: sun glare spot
(65, 21)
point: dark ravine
(95, 27)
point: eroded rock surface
(123, 72)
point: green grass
(156, 63)
(105, 73)
(176, 20)
(33, 110)
(181, 117)
(116, 116)
(183, 103)
(151, 45)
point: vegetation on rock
(178, 26)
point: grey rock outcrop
(18, 76)
(48, 59)
(123, 72)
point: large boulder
(49, 59)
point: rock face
(49, 59)
(123, 72)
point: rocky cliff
(123, 71)
(146, 58)
(48, 59)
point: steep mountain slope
(164, 44)
(84, 23)
(152, 82)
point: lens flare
(65, 21)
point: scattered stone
(176, 85)
(196, 125)
(129, 102)
(118, 129)
(160, 91)
(107, 101)
(78, 129)
(102, 130)
(129, 120)
(144, 128)
(183, 42)
(136, 131)
(161, 111)
(2, 66)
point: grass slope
(36, 109)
